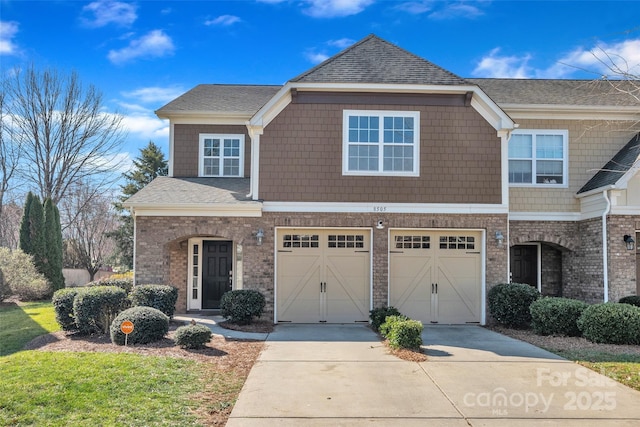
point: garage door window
(300, 241)
(345, 241)
(457, 242)
(413, 242)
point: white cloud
(155, 94)
(604, 59)
(341, 43)
(416, 7)
(611, 59)
(316, 57)
(497, 66)
(223, 20)
(334, 8)
(457, 10)
(107, 12)
(146, 126)
(8, 30)
(154, 44)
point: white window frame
(380, 114)
(565, 157)
(221, 137)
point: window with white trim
(538, 158)
(381, 143)
(221, 155)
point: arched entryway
(539, 264)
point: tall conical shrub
(53, 244)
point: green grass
(624, 368)
(98, 389)
(21, 323)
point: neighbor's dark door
(524, 264)
(217, 260)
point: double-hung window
(538, 158)
(381, 143)
(221, 155)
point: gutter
(605, 260)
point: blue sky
(142, 54)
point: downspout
(605, 258)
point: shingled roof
(373, 60)
(616, 167)
(214, 98)
(560, 92)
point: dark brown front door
(524, 264)
(216, 265)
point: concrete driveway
(341, 375)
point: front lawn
(20, 323)
(89, 381)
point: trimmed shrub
(21, 276)
(556, 316)
(149, 325)
(379, 315)
(126, 283)
(611, 323)
(242, 305)
(389, 322)
(5, 291)
(193, 336)
(509, 303)
(160, 297)
(403, 332)
(63, 305)
(631, 299)
(95, 308)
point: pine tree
(53, 242)
(25, 225)
(146, 168)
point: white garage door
(323, 275)
(436, 276)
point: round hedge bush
(631, 299)
(242, 305)
(149, 325)
(193, 336)
(62, 301)
(160, 297)
(557, 316)
(611, 323)
(95, 308)
(509, 303)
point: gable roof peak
(374, 60)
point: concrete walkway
(341, 375)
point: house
(378, 178)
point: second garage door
(436, 276)
(323, 275)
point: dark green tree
(25, 225)
(150, 164)
(53, 241)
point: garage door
(323, 276)
(436, 277)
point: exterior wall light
(260, 236)
(499, 239)
(630, 242)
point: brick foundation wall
(622, 262)
(162, 245)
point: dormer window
(381, 143)
(221, 155)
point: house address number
(379, 208)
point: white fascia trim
(545, 216)
(623, 182)
(171, 149)
(571, 112)
(384, 208)
(625, 210)
(212, 210)
(190, 117)
(211, 120)
(598, 190)
(480, 101)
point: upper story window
(538, 158)
(381, 143)
(221, 155)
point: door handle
(432, 288)
(436, 288)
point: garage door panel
(411, 288)
(347, 293)
(299, 280)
